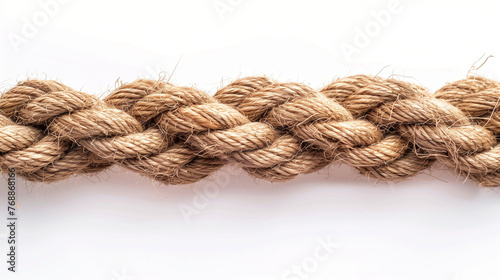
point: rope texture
(387, 129)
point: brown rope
(386, 128)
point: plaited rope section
(386, 128)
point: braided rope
(386, 128)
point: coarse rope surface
(386, 128)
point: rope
(385, 128)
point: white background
(121, 226)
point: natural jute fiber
(386, 128)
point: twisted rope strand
(386, 128)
